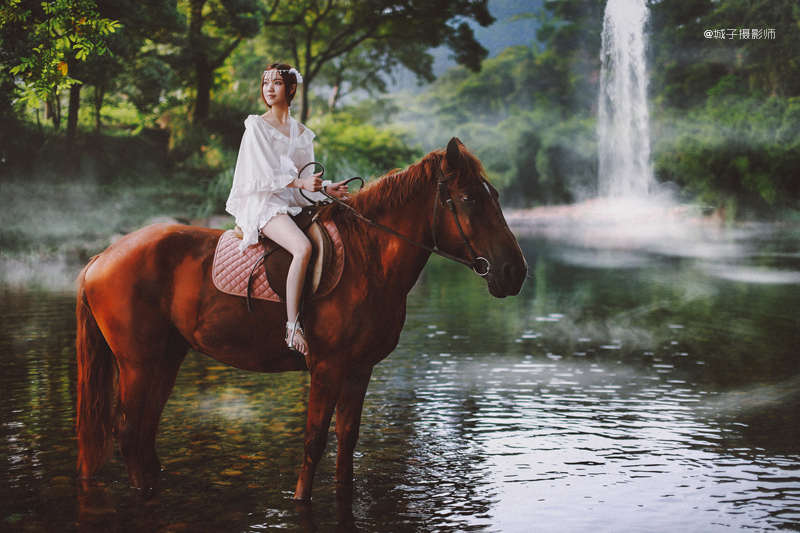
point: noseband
(442, 193)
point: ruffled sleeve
(257, 179)
(258, 167)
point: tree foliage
(686, 64)
(739, 152)
(724, 112)
(215, 29)
(40, 39)
(339, 40)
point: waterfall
(623, 119)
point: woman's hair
(289, 82)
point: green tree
(140, 21)
(215, 29)
(571, 34)
(376, 35)
(39, 40)
(359, 70)
(506, 81)
(686, 64)
(136, 68)
(768, 61)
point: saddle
(277, 259)
(241, 274)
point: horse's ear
(453, 154)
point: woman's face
(273, 88)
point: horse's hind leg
(160, 391)
(145, 384)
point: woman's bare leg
(283, 230)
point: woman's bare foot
(298, 341)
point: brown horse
(149, 297)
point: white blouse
(268, 161)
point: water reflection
(625, 391)
(609, 440)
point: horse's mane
(395, 188)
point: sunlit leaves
(11, 12)
(63, 31)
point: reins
(441, 191)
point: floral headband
(274, 71)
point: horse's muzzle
(507, 280)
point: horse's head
(471, 225)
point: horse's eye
(468, 199)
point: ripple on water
(481, 434)
(637, 446)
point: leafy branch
(63, 31)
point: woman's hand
(313, 184)
(339, 190)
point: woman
(266, 184)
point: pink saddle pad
(232, 268)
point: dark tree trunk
(51, 111)
(72, 112)
(304, 111)
(205, 78)
(72, 125)
(204, 75)
(39, 122)
(205, 60)
(99, 95)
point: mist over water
(634, 215)
(623, 118)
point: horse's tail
(97, 371)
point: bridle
(442, 193)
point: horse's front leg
(348, 422)
(325, 389)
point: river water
(622, 390)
